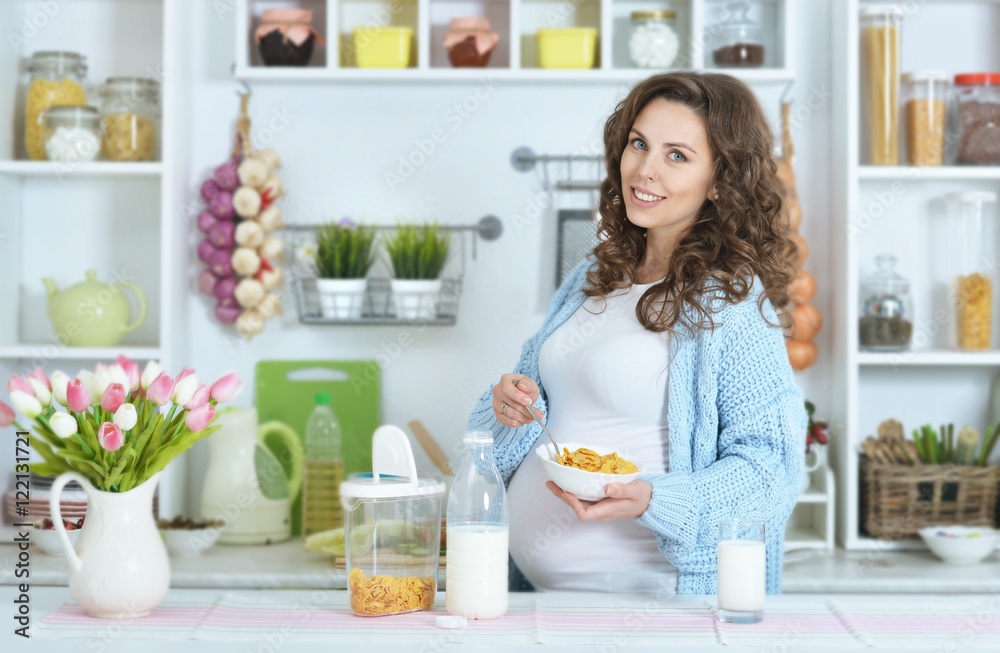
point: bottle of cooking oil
(324, 470)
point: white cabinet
(124, 220)
(697, 24)
(894, 210)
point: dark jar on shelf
(740, 43)
(886, 310)
(286, 37)
(470, 42)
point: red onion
(206, 220)
(227, 175)
(222, 205)
(225, 288)
(207, 282)
(222, 234)
(228, 314)
(228, 302)
(220, 263)
(209, 189)
(205, 251)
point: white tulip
(102, 379)
(125, 417)
(149, 374)
(63, 424)
(59, 381)
(25, 404)
(118, 375)
(184, 389)
(86, 377)
(41, 392)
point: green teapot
(92, 313)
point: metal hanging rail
(524, 159)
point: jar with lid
(925, 108)
(652, 39)
(969, 244)
(740, 43)
(72, 134)
(470, 41)
(392, 531)
(131, 114)
(55, 79)
(976, 118)
(286, 37)
(880, 39)
(886, 310)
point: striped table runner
(558, 618)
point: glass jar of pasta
(971, 248)
(131, 115)
(880, 47)
(55, 79)
(925, 108)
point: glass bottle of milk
(476, 558)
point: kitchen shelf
(801, 538)
(811, 524)
(913, 173)
(92, 169)
(51, 352)
(925, 358)
(515, 60)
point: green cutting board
(286, 391)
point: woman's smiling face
(666, 168)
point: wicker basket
(899, 500)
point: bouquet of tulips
(115, 430)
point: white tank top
(605, 379)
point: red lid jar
(976, 118)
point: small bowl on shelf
(44, 534)
(186, 538)
(383, 47)
(588, 486)
(961, 545)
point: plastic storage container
(567, 47)
(969, 250)
(652, 39)
(131, 114)
(925, 109)
(383, 47)
(323, 470)
(977, 118)
(880, 41)
(477, 534)
(72, 134)
(56, 79)
(392, 531)
(886, 311)
(740, 43)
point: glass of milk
(741, 571)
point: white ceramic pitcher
(120, 568)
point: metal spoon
(535, 417)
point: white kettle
(246, 486)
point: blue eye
(637, 140)
(682, 157)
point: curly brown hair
(742, 233)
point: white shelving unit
(516, 21)
(120, 219)
(893, 209)
(812, 523)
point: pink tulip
(113, 397)
(160, 389)
(187, 371)
(199, 398)
(6, 415)
(199, 418)
(77, 397)
(39, 374)
(20, 385)
(226, 387)
(122, 360)
(134, 374)
(110, 436)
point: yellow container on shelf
(566, 47)
(383, 47)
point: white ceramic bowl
(189, 543)
(47, 539)
(588, 486)
(960, 549)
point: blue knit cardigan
(737, 425)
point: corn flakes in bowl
(584, 470)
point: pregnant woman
(666, 343)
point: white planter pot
(815, 459)
(416, 298)
(341, 298)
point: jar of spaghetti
(880, 49)
(57, 79)
(925, 108)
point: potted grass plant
(418, 254)
(344, 254)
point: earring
(716, 196)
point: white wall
(340, 141)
